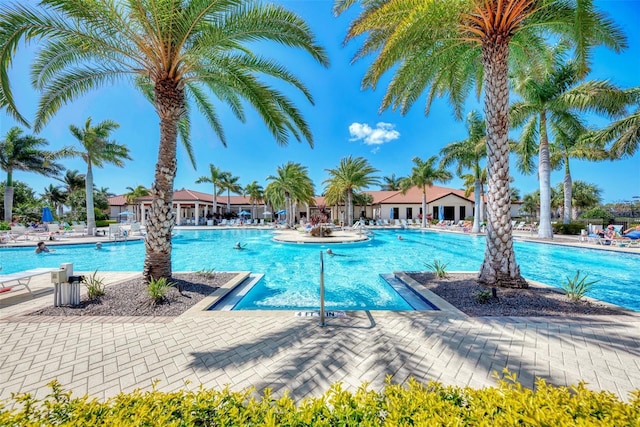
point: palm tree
(229, 183)
(215, 175)
(73, 181)
(55, 197)
(470, 183)
(552, 99)
(291, 183)
(23, 152)
(132, 194)
(351, 175)
(447, 48)
(391, 183)
(467, 154)
(255, 193)
(571, 144)
(584, 196)
(623, 134)
(176, 52)
(424, 174)
(97, 150)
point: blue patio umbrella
(441, 213)
(281, 212)
(47, 216)
(391, 213)
(244, 213)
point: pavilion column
(197, 214)
(142, 215)
(178, 214)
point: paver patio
(104, 356)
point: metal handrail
(322, 321)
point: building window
(409, 213)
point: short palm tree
(352, 174)
(24, 153)
(256, 195)
(290, 184)
(72, 181)
(214, 177)
(96, 151)
(424, 174)
(446, 48)
(177, 52)
(55, 197)
(132, 194)
(229, 183)
(391, 183)
(552, 99)
(467, 154)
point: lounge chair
(18, 231)
(22, 278)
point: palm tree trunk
(424, 207)
(8, 198)
(568, 193)
(170, 105)
(544, 170)
(478, 202)
(349, 207)
(499, 266)
(215, 201)
(88, 186)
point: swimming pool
(292, 270)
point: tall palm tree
(424, 174)
(96, 151)
(447, 48)
(467, 154)
(177, 52)
(352, 174)
(470, 182)
(255, 193)
(585, 196)
(552, 99)
(290, 183)
(55, 197)
(571, 144)
(391, 183)
(24, 153)
(132, 194)
(214, 177)
(229, 183)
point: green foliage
(577, 287)
(157, 289)
(507, 404)
(207, 273)
(105, 222)
(483, 296)
(99, 215)
(95, 285)
(438, 268)
(572, 228)
(598, 213)
(4, 226)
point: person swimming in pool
(41, 247)
(239, 246)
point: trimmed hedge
(573, 228)
(508, 404)
(105, 222)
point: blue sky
(345, 120)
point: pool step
(410, 296)
(233, 297)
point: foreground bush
(508, 404)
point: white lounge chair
(21, 278)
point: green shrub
(573, 228)
(577, 287)
(157, 289)
(94, 284)
(507, 404)
(438, 268)
(207, 273)
(483, 296)
(105, 222)
(4, 226)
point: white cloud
(383, 133)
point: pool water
(352, 277)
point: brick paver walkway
(104, 356)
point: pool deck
(284, 351)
